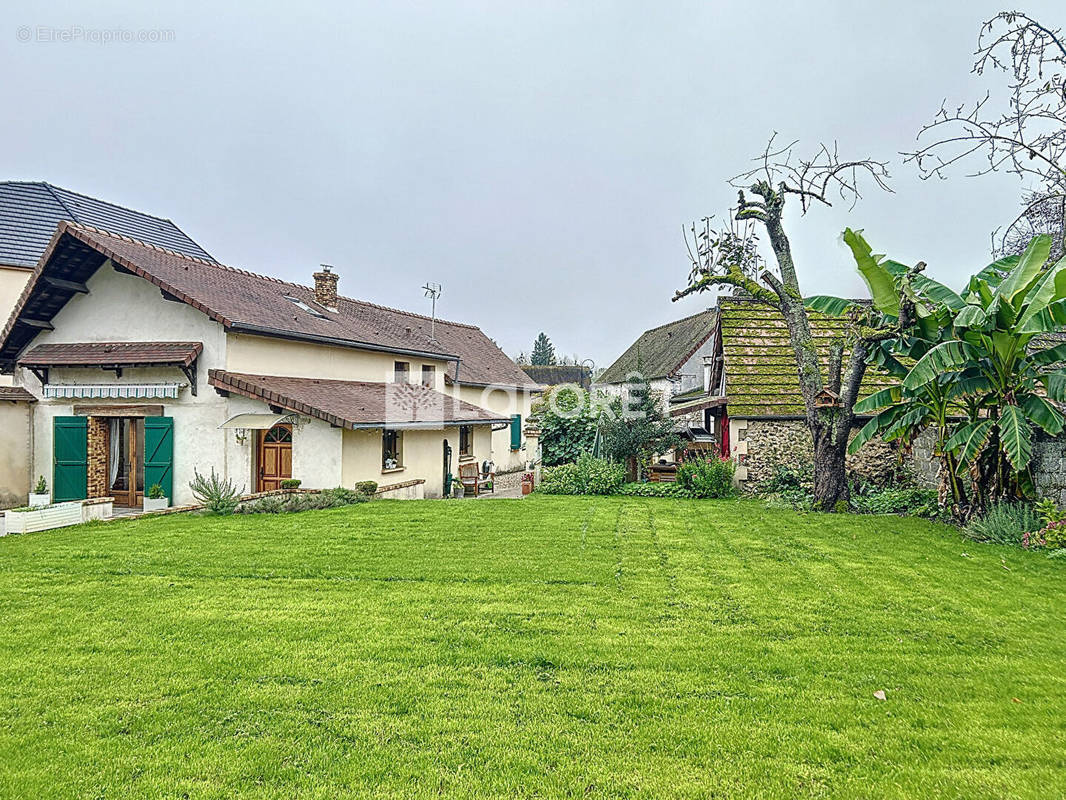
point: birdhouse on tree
(826, 399)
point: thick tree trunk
(830, 474)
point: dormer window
(300, 304)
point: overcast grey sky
(537, 159)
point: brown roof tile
(355, 404)
(245, 301)
(79, 354)
(16, 394)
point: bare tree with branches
(1040, 214)
(782, 173)
(1027, 138)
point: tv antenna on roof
(433, 291)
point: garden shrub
(288, 504)
(291, 483)
(567, 418)
(789, 486)
(1005, 523)
(1053, 534)
(366, 487)
(218, 495)
(913, 502)
(707, 478)
(587, 475)
(653, 490)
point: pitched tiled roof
(760, 367)
(661, 352)
(355, 404)
(29, 213)
(244, 301)
(555, 374)
(16, 394)
(111, 353)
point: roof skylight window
(296, 301)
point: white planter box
(43, 519)
(38, 500)
(156, 504)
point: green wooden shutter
(516, 431)
(159, 454)
(70, 458)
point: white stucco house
(141, 362)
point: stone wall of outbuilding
(1048, 465)
(1049, 468)
(771, 442)
(760, 445)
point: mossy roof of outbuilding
(660, 352)
(760, 368)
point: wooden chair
(472, 480)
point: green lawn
(548, 647)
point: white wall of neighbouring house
(664, 388)
(15, 476)
(317, 454)
(261, 355)
(423, 458)
(12, 282)
(503, 402)
(691, 372)
(122, 307)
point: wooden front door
(126, 461)
(275, 458)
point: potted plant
(155, 500)
(39, 496)
(291, 483)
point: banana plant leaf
(994, 273)
(948, 356)
(878, 279)
(1027, 269)
(1053, 355)
(1055, 383)
(926, 287)
(965, 387)
(972, 316)
(1040, 411)
(1050, 318)
(878, 400)
(1050, 288)
(969, 441)
(1016, 436)
(877, 424)
(825, 304)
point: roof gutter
(261, 330)
(434, 425)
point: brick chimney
(326, 288)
